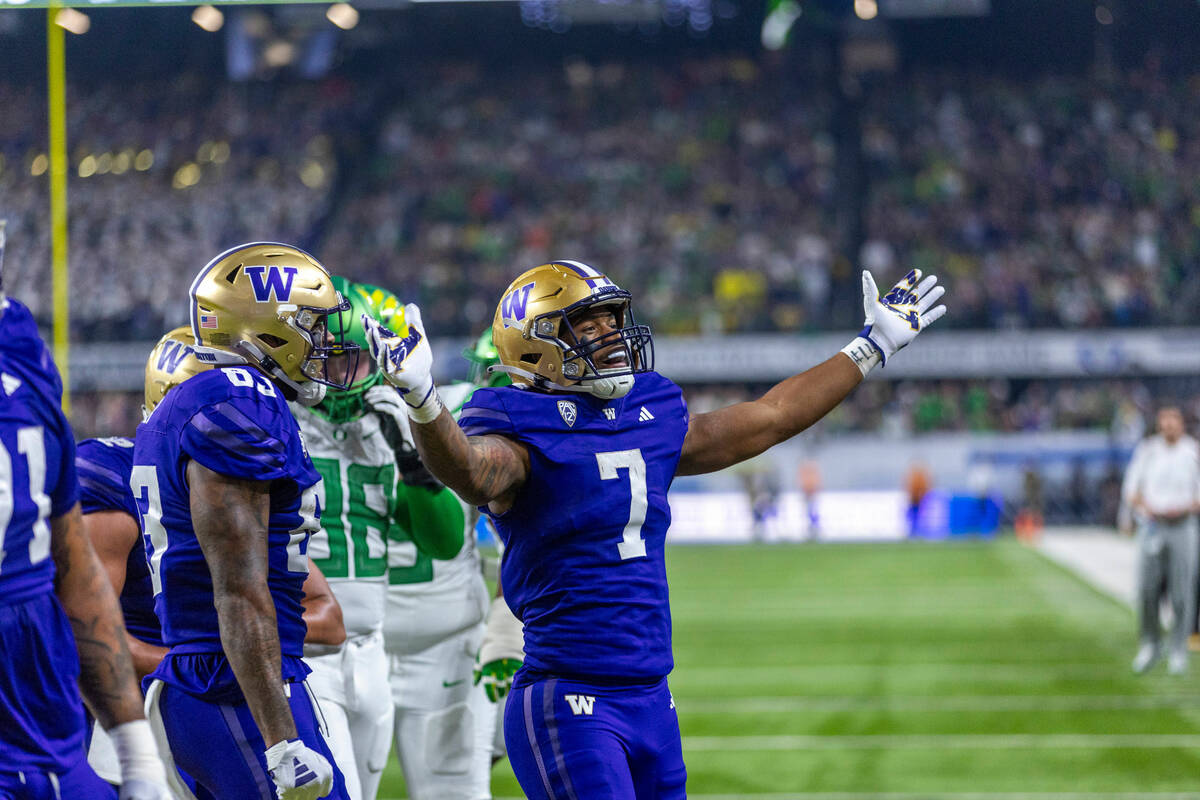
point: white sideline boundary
(1098, 555)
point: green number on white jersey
(362, 504)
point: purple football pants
(569, 740)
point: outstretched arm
(229, 517)
(733, 434)
(730, 435)
(482, 470)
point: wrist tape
(864, 354)
(136, 752)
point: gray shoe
(1177, 663)
(1147, 656)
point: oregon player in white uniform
(445, 725)
(365, 494)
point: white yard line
(919, 703)
(1017, 741)
(959, 670)
(934, 796)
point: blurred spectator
(705, 187)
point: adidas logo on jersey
(645, 416)
(610, 414)
(580, 703)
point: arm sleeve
(439, 534)
(239, 438)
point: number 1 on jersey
(632, 545)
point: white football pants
(445, 726)
(351, 686)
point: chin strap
(587, 385)
(538, 381)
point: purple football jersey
(583, 562)
(234, 422)
(104, 467)
(41, 714)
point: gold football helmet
(537, 347)
(265, 304)
(172, 361)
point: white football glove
(407, 363)
(142, 774)
(299, 772)
(895, 319)
(383, 399)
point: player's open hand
(404, 356)
(299, 772)
(895, 319)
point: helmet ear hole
(272, 341)
(531, 358)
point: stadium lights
(344, 15)
(39, 165)
(279, 54)
(72, 21)
(866, 9)
(87, 167)
(208, 18)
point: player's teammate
(110, 520)
(364, 492)
(574, 468)
(228, 498)
(60, 627)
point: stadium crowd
(706, 188)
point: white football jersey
(358, 497)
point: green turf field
(975, 670)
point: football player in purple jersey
(228, 497)
(110, 520)
(573, 464)
(60, 626)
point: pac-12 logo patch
(567, 409)
(271, 284)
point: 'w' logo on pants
(580, 703)
(275, 285)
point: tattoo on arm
(230, 517)
(107, 680)
(480, 469)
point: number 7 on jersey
(632, 545)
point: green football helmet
(482, 355)
(347, 404)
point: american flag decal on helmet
(208, 320)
